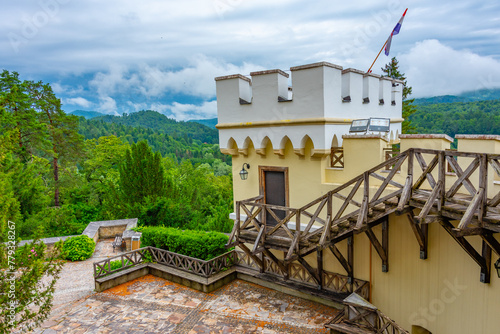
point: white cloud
(60, 89)
(132, 56)
(195, 79)
(180, 111)
(107, 105)
(117, 79)
(184, 112)
(435, 69)
(78, 101)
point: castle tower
(320, 105)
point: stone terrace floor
(154, 305)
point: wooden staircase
(441, 186)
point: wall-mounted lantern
(497, 267)
(244, 172)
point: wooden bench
(119, 242)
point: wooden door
(274, 187)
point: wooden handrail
(178, 261)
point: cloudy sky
(118, 56)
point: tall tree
(33, 112)
(63, 138)
(392, 71)
(141, 175)
(18, 115)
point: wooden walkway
(441, 186)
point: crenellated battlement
(321, 103)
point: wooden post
(423, 250)
(381, 251)
(297, 229)
(442, 177)
(350, 260)
(320, 268)
(483, 184)
(238, 222)
(287, 267)
(410, 162)
(486, 272)
(385, 244)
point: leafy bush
(78, 248)
(27, 254)
(197, 244)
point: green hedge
(78, 248)
(197, 244)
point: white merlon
(324, 100)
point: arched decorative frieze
(300, 151)
(231, 148)
(263, 145)
(281, 148)
(246, 144)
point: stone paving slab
(77, 278)
(153, 305)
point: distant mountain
(154, 120)
(87, 114)
(477, 117)
(211, 122)
(178, 145)
(472, 96)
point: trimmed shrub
(78, 248)
(197, 244)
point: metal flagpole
(394, 31)
(370, 69)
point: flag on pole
(395, 31)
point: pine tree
(392, 71)
(141, 175)
(19, 116)
(64, 142)
(33, 112)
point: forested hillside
(86, 114)
(481, 117)
(172, 145)
(210, 122)
(161, 123)
(472, 96)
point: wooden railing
(296, 272)
(192, 265)
(178, 261)
(320, 223)
(128, 259)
